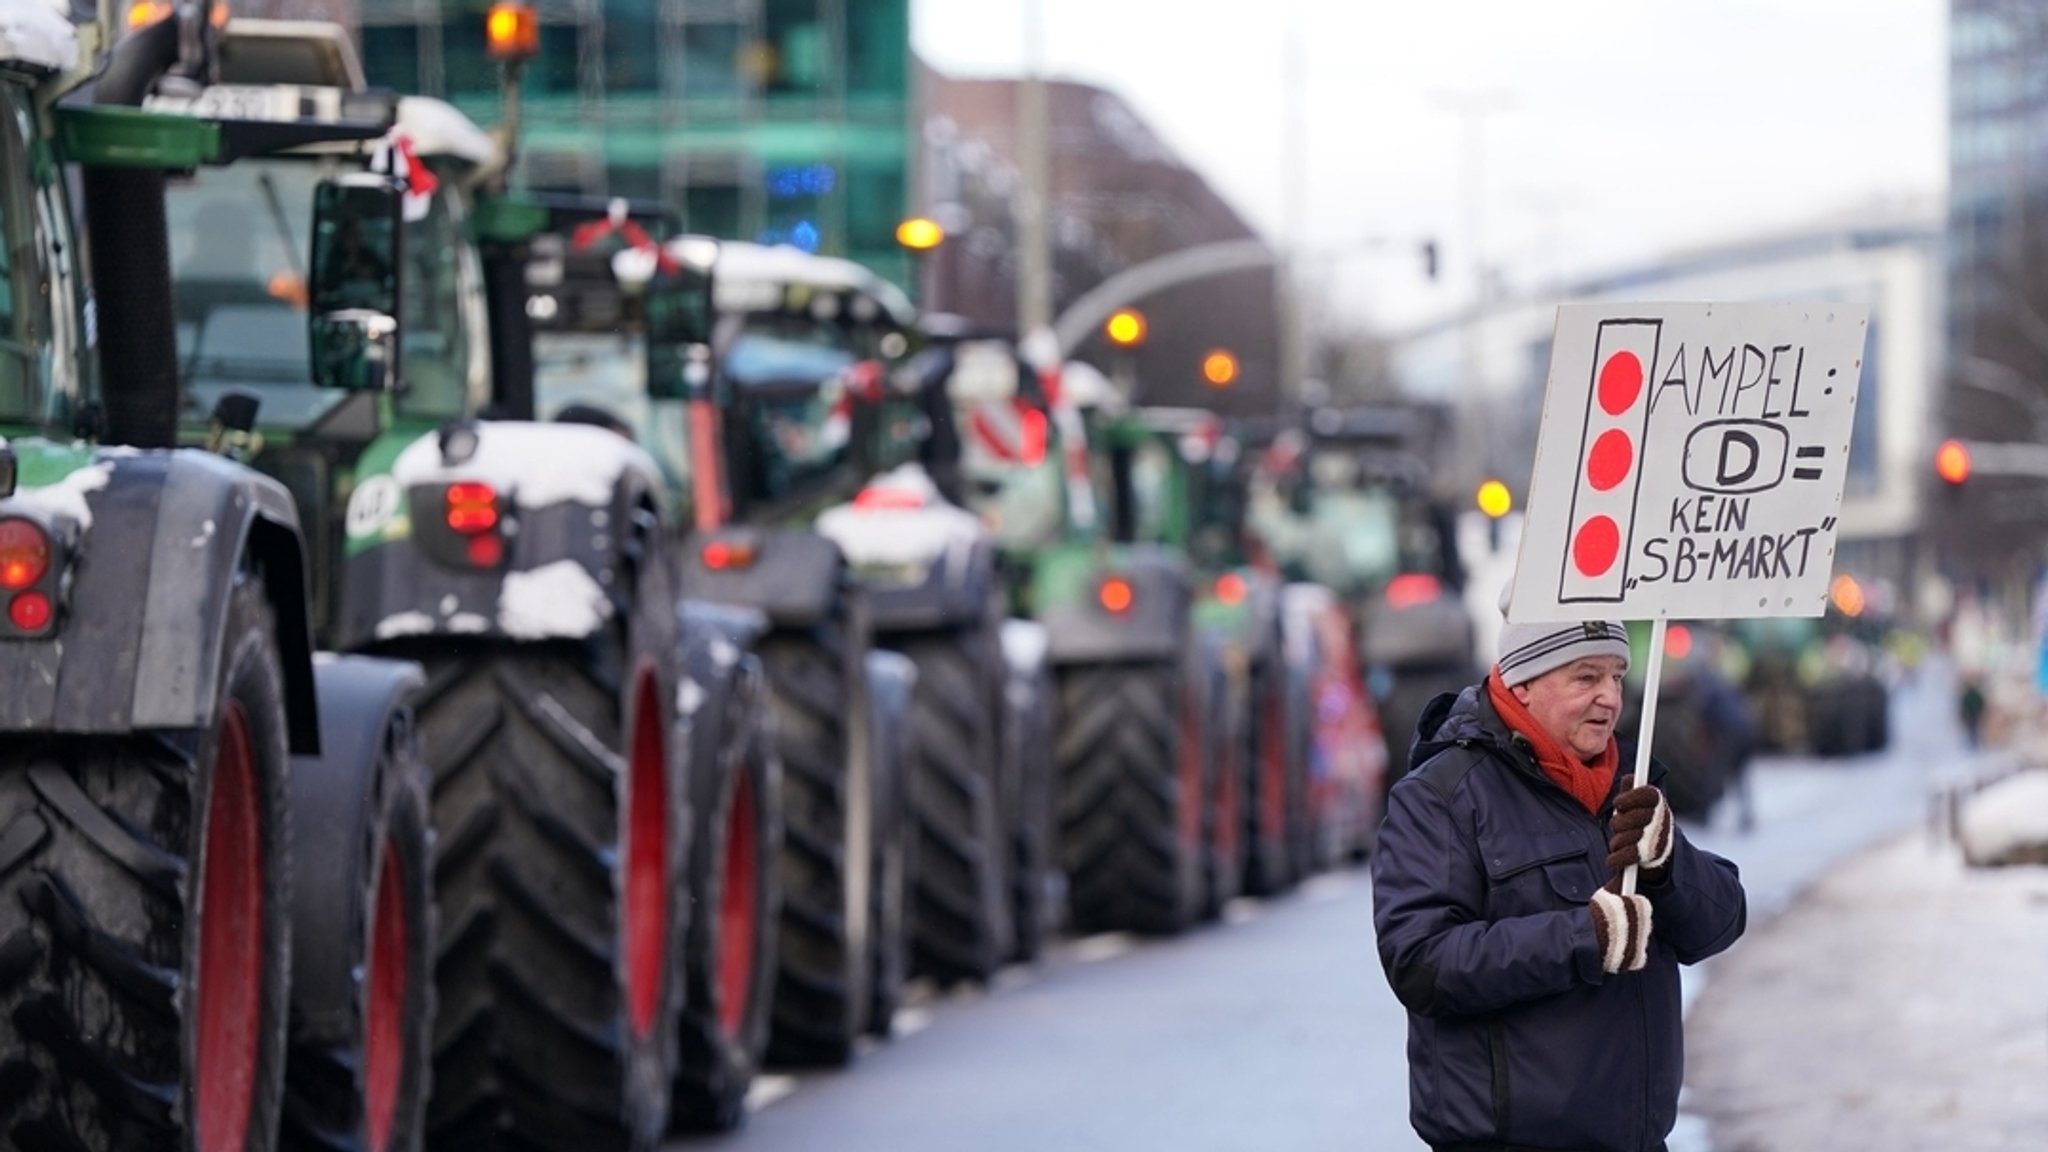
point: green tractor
(1345, 500)
(1143, 800)
(763, 409)
(527, 566)
(214, 858)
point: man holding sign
(1532, 896)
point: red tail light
(887, 500)
(724, 555)
(472, 508)
(1231, 588)
(24, 554)
(29, 611)
(1412, 588)
(486, 550)
(1116, 595)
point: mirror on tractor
(679, 320)
(358, 227)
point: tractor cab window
(441, 313)
(239, 237)
(601, 378)
(779, 348)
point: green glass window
(802, 63)
(391, 56)
(632, 46)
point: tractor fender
(792, 576)
(1435, 632)
(580, 503)
(956, 590)
(926, 562)
(153, 541)
(365, 708)
(1154, 627)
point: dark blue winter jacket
(1516, 1038)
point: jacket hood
(1465, 718)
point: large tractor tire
(1276, 829)
(145, 923)
(736, 808)
(1225, 782)
(891, 680)
(362, 922)
(559, 864)
(960, 913)
(818, 720)
(1131, 762)
(1029, 732)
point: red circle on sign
(1596, 545)
(1610, 460)
(1621, 381)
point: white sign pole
(1648, 728)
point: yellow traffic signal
(1126, 328)
(1952, 461)
(920, 234)
(1495, 500)
(1219, 368)
(512, 31)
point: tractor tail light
(1116, 595)
(1231, 589)
(24, 554)
(472, 508)
(1412, 588)
(729, 555)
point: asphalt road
(1274, 1029)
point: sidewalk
(1899, 1005)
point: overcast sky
(1621, 129)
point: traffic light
(1219, 368)
(1125, 328)
(1603, 499)
(512, 31)
(1495, 500)
(1952, 462)
(920, 234)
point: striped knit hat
(1529, 650)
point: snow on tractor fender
(926, 563)
(499, 528)
(143, 548)
(1134, 605)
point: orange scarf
(1589, 784)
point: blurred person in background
(1543, 1004)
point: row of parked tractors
(488, 669)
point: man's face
(1577, 704)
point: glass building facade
(781, 121)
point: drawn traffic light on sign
(1603, 507)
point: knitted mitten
(1640, 833)
(1622, 924)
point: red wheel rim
(1190, 772)
(384, 1043)
(1272, 767)
(229, 1008)
(736, 921)
(644, 903)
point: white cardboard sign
(1690, 461)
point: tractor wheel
(1131, 766)
(890, 677)
(817, 717)
(1401, 710)
(960, 913)
(1225, 783)
(1272, 812)
(1027, 809)
(736, 798)
(145, 911)
(356, 1079)
(559, 866)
